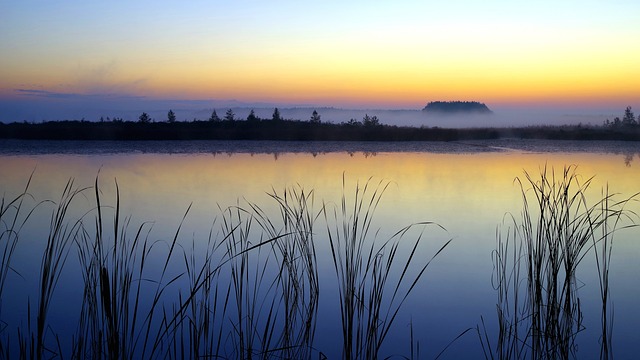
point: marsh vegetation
(256, 285)
(251, 292)
(537, 262)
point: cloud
(106, 78)
(45, 93)
(76, 96)
(100, 72)
(87, 82)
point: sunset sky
(353, 54)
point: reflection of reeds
(539, 314)
(252, 293)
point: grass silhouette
(536, 263)
(250, 290)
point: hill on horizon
(457, 107)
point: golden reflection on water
(468, 194)
(424, 186)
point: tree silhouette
(252, 116)
(144, 118)
(616, 122)
(315, 117)
(229, 116)
(353, 122)
(171, 116)
(214, 116)
(370, 120)
(276, 115)
(629, 118)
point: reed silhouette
(250, 290)
(536, 263)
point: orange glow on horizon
(337, 54)
(394, 84)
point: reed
(619, 218)
(297, 277)
(123, 313)
(55, 256)
(62, 234)
(536, 263)
(253, 292)
(200, 335)
(236, 293)
(13, 217)
(369, 299)
(220, 315)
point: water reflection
(628, 158)
(466, 192)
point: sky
(73, 57)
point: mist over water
(76, 107)
(501, 117)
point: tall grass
(251, 290)
(200, 335)
(62, 234)
(61, 237)
(603, 249)
(13, 218)
(369, 302)
(536, 264)
(297, 276)
(118, 319)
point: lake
(467, 190)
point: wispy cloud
(45, 93)
(106, 78)
(76, 96)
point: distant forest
(456, 107)
(369, 128)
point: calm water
(466, 188)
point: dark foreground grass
(250, 290)
(536, 263)
(13, 217)
(369, 300)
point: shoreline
(293, 130)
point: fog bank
(70, 107)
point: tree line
(315, 118)
(228, 116)
(628, 120)
(229, 127)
